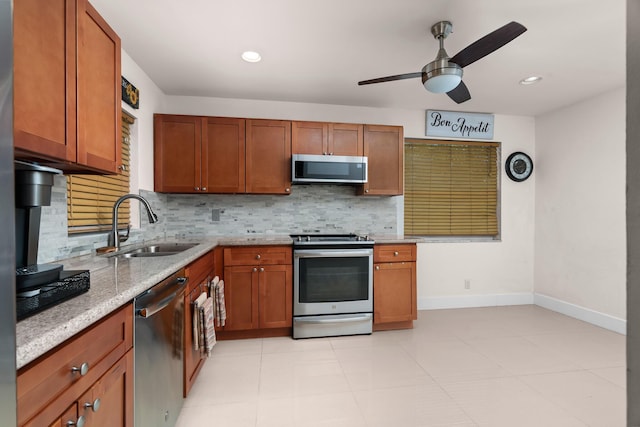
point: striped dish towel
(220, 308)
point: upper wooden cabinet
(340, 139)
(383, 146)
(66, 86)
(199, 154)
(268, 156)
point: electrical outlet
(467, 284)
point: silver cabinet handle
(94, 406)
(366, 191)
(377, 267)
(196, 188)
(79, 422)
(258, 256)
(287, 190)
(261, 269)
(324, 153)
(255, 269)
(395, 253)
(82, 370)
(204, 188)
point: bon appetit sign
(453, 124)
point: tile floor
(499, 366)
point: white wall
(580, 234)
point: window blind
(451, 188)
(90, 198)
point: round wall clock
(519, 166)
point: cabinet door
(345, 139)
(276, 296)
(241, 297)
(268, 157)
(383, 145)
(193, 361)
(69, 416)
(223, 155)
(110, 401)
(44, 64)
(309, 138)
(394, 292)
(98, 92)
(177, 142)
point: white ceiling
(317, 50)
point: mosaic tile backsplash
(308, 209)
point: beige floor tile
(585, 395)
(237, 347)
(617, 375)
(302, 378)
(335, 409)
(520, 356)
(457, 360)
(413, 406)
(508, 402)
(287, 345)
(241, 414)
(597, 348)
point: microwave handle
(320, 253)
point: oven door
(332, 281)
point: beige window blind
(451, 188)
(90, 198)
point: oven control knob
(308, 238)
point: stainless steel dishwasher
(159, 324)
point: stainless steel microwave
(309, 168)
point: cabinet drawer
(394, 252)
(198, 270)
(46, 386)
(257, 255)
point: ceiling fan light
(442, 83)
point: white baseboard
(467, 301)
(586, 314)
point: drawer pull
(79, 422)
(255, 269)
(258, 256)
(396, 253)
(377, 267)
(82, 370)
(94, 406)
(261, 269)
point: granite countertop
(117, 281)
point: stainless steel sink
(161, 249)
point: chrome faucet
(114, 237)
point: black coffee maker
(33, 190)
(38, 286)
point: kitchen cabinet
(258, 288)
(89, 376)
(195, 154)
(384, 148)
(66, 87)
(339, 139)
(200, 274)
(268, 157)
(394, 286)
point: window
(90, 198)
(451, 188)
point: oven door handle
(344, 319)
(319, 253)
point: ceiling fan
(444, 74)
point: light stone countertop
(116, 282)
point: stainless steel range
(332, 285)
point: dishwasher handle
(163, 298)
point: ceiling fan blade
(487, 44)
(460, 94)
(391, 78)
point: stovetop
(331, 239)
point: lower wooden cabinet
(88, 376)
(394, 286)
(200, 274)
(258, 288)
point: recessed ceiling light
(251, 56)
(530, 80)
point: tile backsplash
(308, 209)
